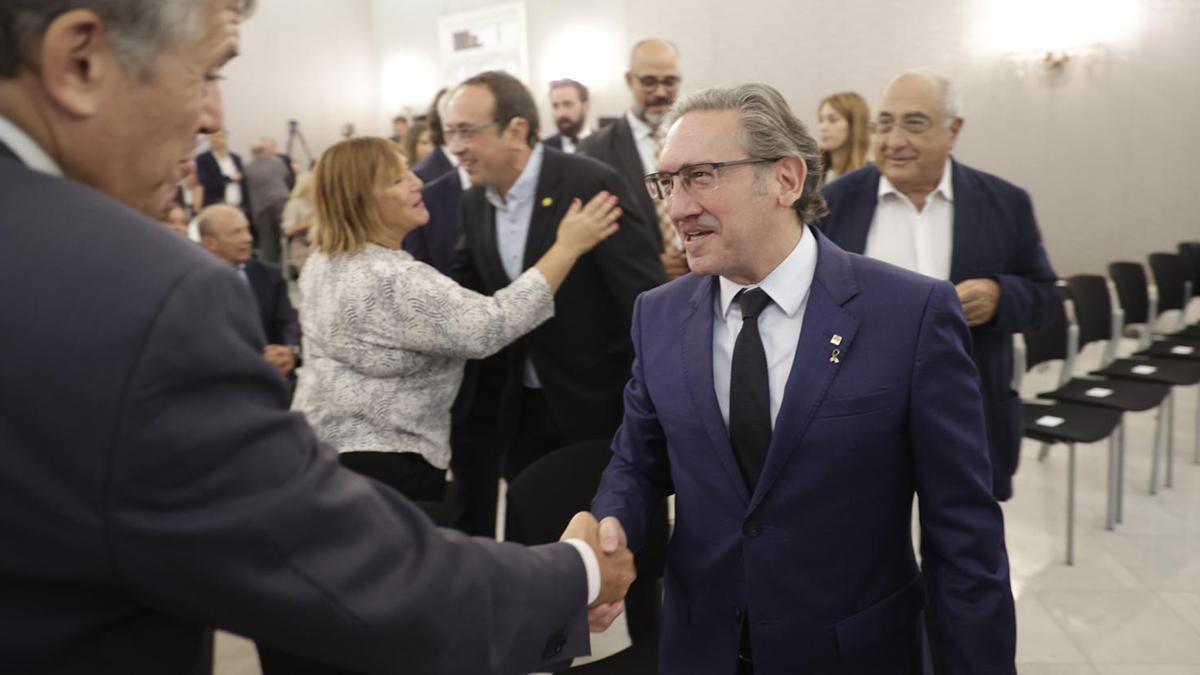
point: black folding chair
(1173, 278)
(1058, 340)
(1099, 321)
(540, 503)
(1190, 252)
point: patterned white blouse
(385, 340)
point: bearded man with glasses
(633, 142)
(794, 398)
(921, 209)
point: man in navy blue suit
(924, 211)
(794, 398)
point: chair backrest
(1133, 292)
(1171, 274)
(1190, 252)
(547, 494)
(1093, 308)
(1048, 342)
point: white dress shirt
(778, 325)
(26, 149)
(514, 210)
(572, 146)
(643, 138)
(921, 241)
(233, 189)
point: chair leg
(1043, 452)
(1196, 437)
(1156, 451)
(1070, 503)
(1120, 471)
(1170, 482)
(1110, 511)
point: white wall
(304, 60)
(1102, 146)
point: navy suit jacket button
(751, 529)
(555, 645)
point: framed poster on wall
(490, 38)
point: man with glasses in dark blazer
(921, 209)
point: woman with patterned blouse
(385, 336)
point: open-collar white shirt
(779, 324)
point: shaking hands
(608, 541)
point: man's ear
(74, 61)
(518, 131)
(790, 174)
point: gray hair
(209, 217)
(949, 101)
(767, 128)
(139, 29)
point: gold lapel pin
(836, 340)
(548, 201)
(836, 356)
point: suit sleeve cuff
(592, 565)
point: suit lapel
(813, 370)
(626, 151)
(698, 373)
(966, 232)
(484, 225)
(549, 204)
(860, 205)
(7, 153)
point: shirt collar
(640, 129)
(945, 186)
(787, 284)
(26, 149)
(526, 185)
(449, 155)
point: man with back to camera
(794, 398)
(154, 482)
(569, 101)
(631, 144)
(921, 209)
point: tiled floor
(1131, 603)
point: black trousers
(414, 478)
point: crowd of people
(791, 333)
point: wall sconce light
(1049, 34)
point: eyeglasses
(701, 177)
(652, 82)
(914, 124)
(466, 132)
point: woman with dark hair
(845, 142)
(418, 143)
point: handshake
(607, 540)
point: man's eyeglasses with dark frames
(466, 132)
(651, 82)
(701, 177)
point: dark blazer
(614, 145)
(154, 482)
(279, 321)
(434, 166)
(554, 141)
(995, 236)
(582, 355)
(208, 173)
(820, 555)
(434, 243)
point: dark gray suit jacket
(154, 483)
(614, 145)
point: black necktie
(749, 391)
